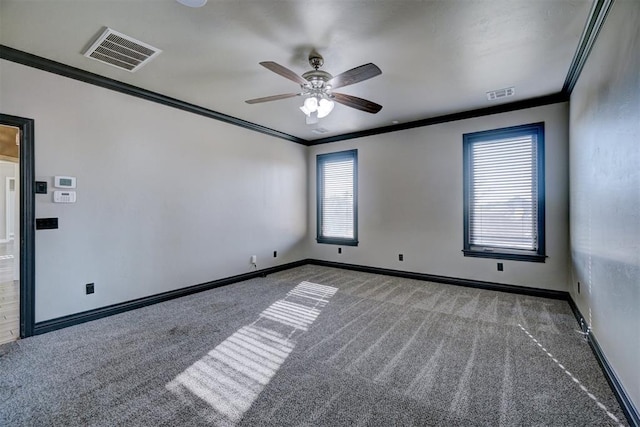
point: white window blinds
(337, 196)
(503, 195)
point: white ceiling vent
(501, 93)
(319, 131)
(121, 51)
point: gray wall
(166, 199)
(605, 192)
(410, 201)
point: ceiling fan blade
(355, 75)
(357, 103)
(272, 98)
(284, 72)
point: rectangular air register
(121, 51)
(501, 93)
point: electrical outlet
(500, 267)
(339, 250)
(275, 254)
(584, 327)
(400, 257)
(254, 259)
(90, 288)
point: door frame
(27, 221)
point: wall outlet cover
(46, 223)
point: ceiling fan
(318, 85)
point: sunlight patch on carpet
(224, 383)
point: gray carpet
(344, 348)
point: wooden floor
(9, 296)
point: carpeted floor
(314, 346)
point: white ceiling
(437, 57)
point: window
(337, 192)
(504, 193)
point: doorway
(17, 228)
(9, 265)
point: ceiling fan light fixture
(325, 107)
(312, 118)
(310, 106)
(311, 103)
(322, 107)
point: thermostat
(64, 182)
(64, 196)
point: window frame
(321, 159)
(534, 129)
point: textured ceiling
(437, 57)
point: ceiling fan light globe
(311, 104)
(325, 107)
(311, 119)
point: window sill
(337, 241)
(505, 255)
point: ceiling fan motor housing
(317, 82)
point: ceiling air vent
(501, 93)
(121, 51)
(319, 131)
